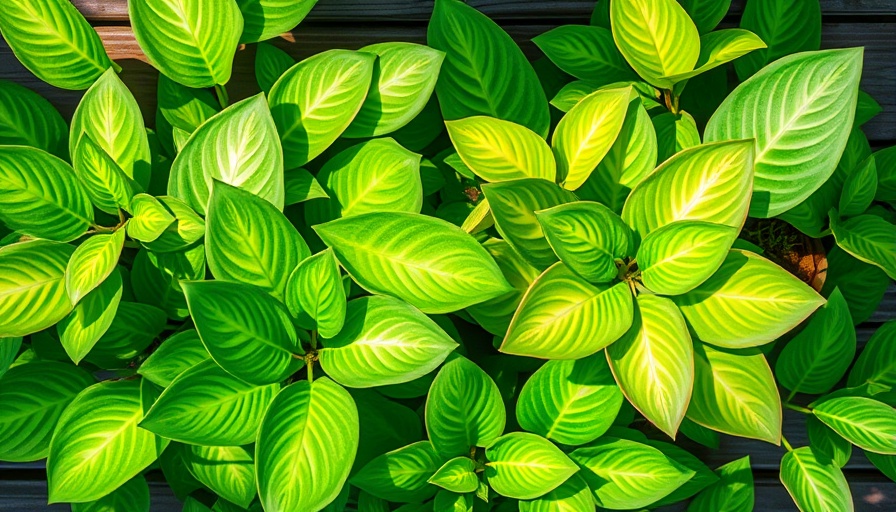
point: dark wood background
(356, 23)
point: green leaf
(401, 475)
(807, 104)
(150, 218)
(735, 393)
(825, 441)
(192, 43)
(447, 501)
(702, 478)
(207, 406)
(245, 330)
(174, 356)
(571, 496)
(111, 117)
(859, 189)
(721, 47)
(732, 493)
(681, 256)
(133, 329)
(706, 14)
(133, 495)
(885, 463)
(385, 425)
(560, 314)
(709, 183)
(248, 240)
(185, 108)
(187, 229)
(514, 203)
(369, 503)
(91, 318)
(791, 28)
(587, 53)
(869, 238)
(570, 402)
(866, 423)
(97, 445)
(499, 150)
(588, 237)
(587, 132)
(474, 82)
(227, 470)
(306, 446)
(748, 302)
(91, 263)
(41, 196)
(877, 362)
(626, 474)
(27, 119)
(9, 351)
(270, 64)
(238, 147)
(32, 286)
(32, 398)
(302, 186)
(813, 484)
(457, 475)
(494, 315)
(885, 160)
(819, 355)
(109, 188)
(464, 409)
(572, 93)
(54, 41)
(156, 278)
(384, 341)
(424, 261)
(310, 118)
(525, 466)
(654, 363)
(674, 134)
(315, 290)
(631, 158)
(267, 19)
(863, 285)
(656, 37)
(403, 81)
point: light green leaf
(97, 445)
(514, 203)
(654, 363)
(525, 466)
(424, 261)
(708, 183)
(238, 147)
(572, 93)
(866, 423)
(819, 355)
(464, 409)
(680, 256)
(877, 362)
(192, 42)
(91, 263)
(32, 286)
(401, 475)
(384, 341)
(674, 133)
(587, 132)
(825, 441)
(306, 446)
(474, 82)
(570, 402)
(571, 496)
(587, 53)
(174, 356)
(315, 290)
(91, 318)
(270, 64)
(207, 406)
(632, 157)
(564, 317)
(457, 475)
(403, 81)
(54, 41)
(32, 397)
(859, 189)
(813, 484)
(494, 315)
(27, 119)
(41, 196)
(267, 19)
(499, 150)
(869, 238)
(302, 186)
(721, 47)
(787, 28)
(249, 241)
(183, 107)
(310, 118)
(799, 110)
(227, 470)
(735, 393)
(656, 37)
(703, 477)
(626, 474)
(748, 302)
(732, 493)
(109, 188)
(245, 330)
(150, 218)
(133, 495)
(186, 231)
(706, 13)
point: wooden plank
(31, 496)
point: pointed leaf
(499, 150)
(869, 238)
(866, 423)
(91, 318)
(706, 13)
(813, 484)
(525, 466)
(315, 290)
(27, 119)
(270, 64)
(494, 315)
(787, 29)
(571, 496)
(732, 493)
(109, 188)
(721, 47)
(175, 355)
(859, 189)
(150, 218)
(227, 470)
(401, 475)
(587, 53)
(267, 19)
(32, 286)
(457, 475)
(91, 263)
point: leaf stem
(797, 408)
(314, 339)
(310, 364)
(790, 396)
(786, 443)
(223, 98)
(116, 67)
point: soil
(801, 255)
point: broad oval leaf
(463, 409)
(150, 218)
(866, 423)
(721, 47)
(32, 286)
(570, 402)
(654, 363)
(109, 188)
(132, 330)
(306, 446)
(316, 290)
(735, 393)
(814, 484)
(32, 398)
(301, 186)
(309, 119)
(267, 19)
(863, 285)
(877, 362)
(457, 475)
(207, 406)
(238, 147)
(401, 475)
(177, 354)
(498, 150)
(41, 196)
(91, 263)
(384, 341)
(564, 317)
(869, 238)
(748, 302)
(791, 28)
(525, 466)
(190, 41)
(674, 134)
(91, 318)
(185, 108)
(732, 493)
(245, 330)
(799, 110)
(706, 13)
(227, 471)
(585, 52)
(424, 261)
(573, 495)
(270, 64)
(97, 445)
(181, 236)
(133, 495)
(825, 441)
(54, 41)
(859, 189)
(27, 119)
(494, 315)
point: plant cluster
(399, 278)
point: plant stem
(786, 444)
(116, 67)
(790, 396)
(314, 339)
(797, 408)
(310, 364)
(223, 98)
